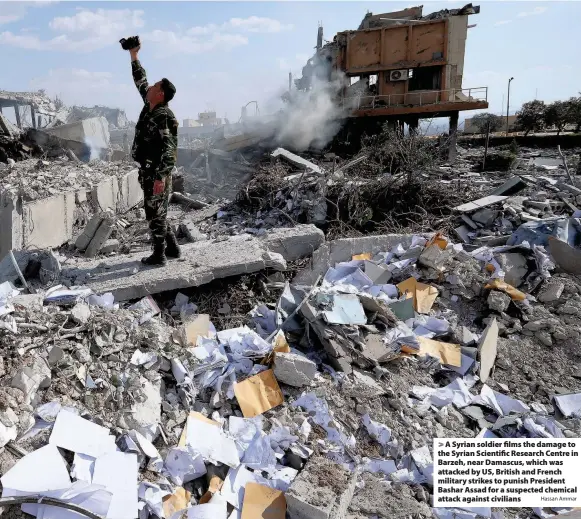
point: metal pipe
(508, 104)
(41, 500)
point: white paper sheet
(282, 477)
(208, 511)
(502, 404)
(76, 434)
(152, 495)
(377, 430)
(83, 467)
(347, 309)
(38, 472)
(235, 483)
(117, 472)
(183, 465)
(212, 443)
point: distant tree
(531, 116)
(574, 112)
(481, 121)
(556, 115)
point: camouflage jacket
(156, 133)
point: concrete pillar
(17, 114)
(452, 134)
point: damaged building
(400, 67)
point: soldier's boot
(172, 248)
(158, 257)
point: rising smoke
(314, 116)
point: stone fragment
(498, 301)
(293, 369)
(323, 490)
(191, 232)
(110, 246)
(551, 291)
(433, 257)
(81, 313)
(544, 337)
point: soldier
(155, 149)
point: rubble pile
(34, 179)
(325, 404)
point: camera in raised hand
(130, 43)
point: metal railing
(418, 98)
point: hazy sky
(221, 55)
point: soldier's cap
(169, 90)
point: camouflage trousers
(156, 207)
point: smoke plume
(311, 117)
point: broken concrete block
(81, 313)
(551, 291)
(110, 246)
(498, 301)
(323, 490)
(433, 257)
(101, 236)
(293, 369)
(485, 216)
(86, 236)
(31, 378)
(376, 349)
(146, 411)
(191, 232)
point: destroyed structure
(406, 67)
(330, 316)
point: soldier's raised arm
(139, 77)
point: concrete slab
(296, 160)
(48, 222)
(343, 250)
(127, 278)
(94, 132)
(481, 202)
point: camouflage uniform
(155, 149)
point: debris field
(330, 316)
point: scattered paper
(446, 353)
(208, 511)
(363, 256)
(439, 240)
(347, 309)
(377, 430)
(83, 467)
(502, 404)
(183, 465)
(36, 473)
(265, 502)
(76, 434)
(235, 482)
(151, 496)
(212, 443)
(214, 486)
(423, 295)
(197, 327)
(258, 394)
(175, 502)
(196, 416)
(117, 472)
